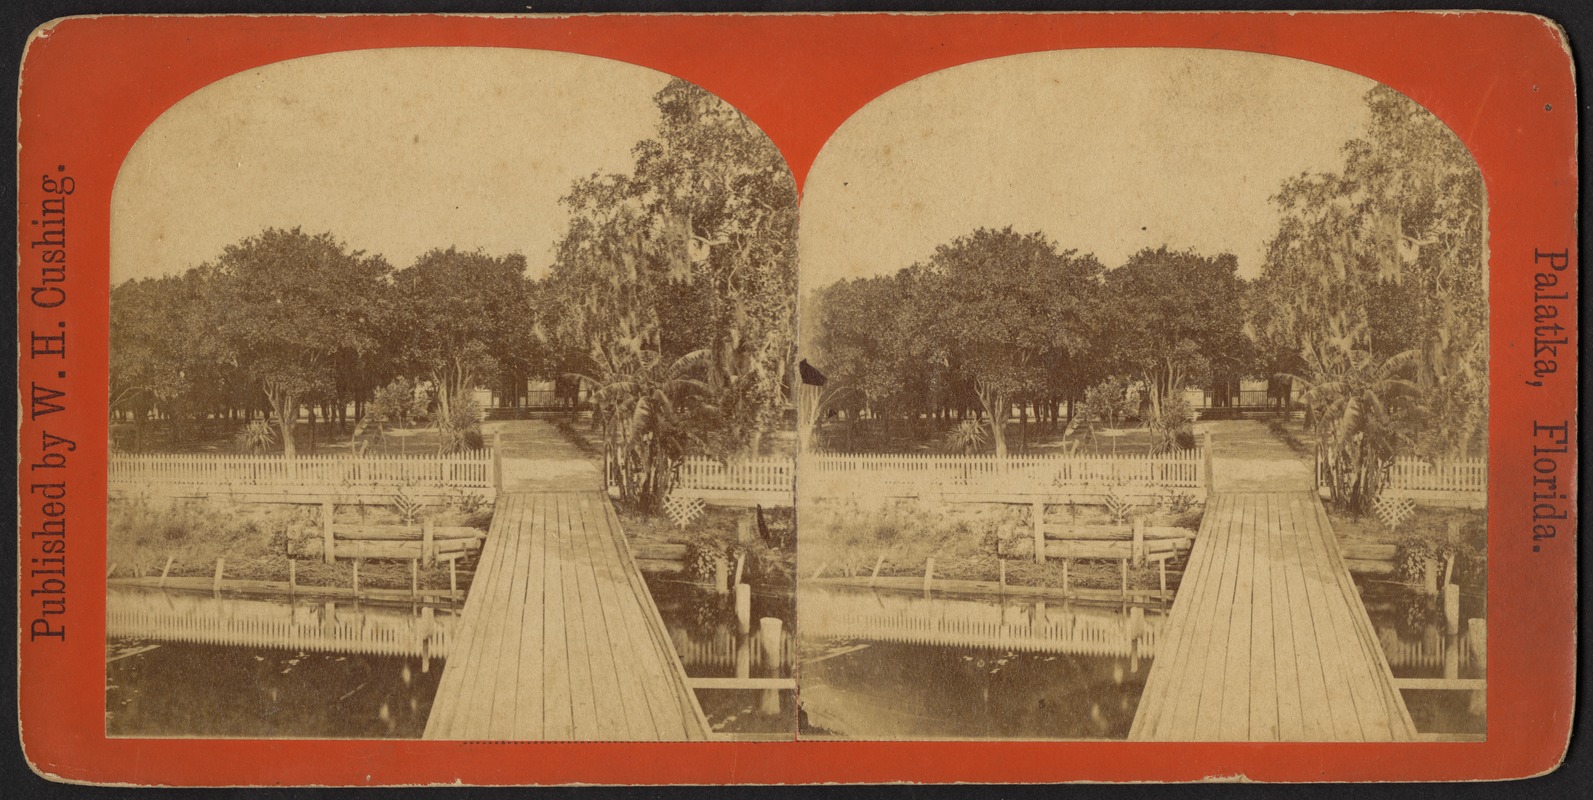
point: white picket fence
(764, 474)
(470, 470)
(1185, 471)
(1415, 474)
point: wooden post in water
(453, 575)
(1038, 512)
(1451, 609)
(428, 626)
(326, 533)
(769, 630)
(1123, 563)
(165, 569)
(357, 578)
(721, 575)
(293, 576)
(215, 585)
(414, 577)
(929, 574)
(1137, 548)
(428, 546)
(873, 576)
(1001, 584)
(741, 561)
(1066, 562)
(744, 607)
(1477, 630)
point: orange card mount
(410, 399)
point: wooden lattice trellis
(682, 508)
(1393, 510)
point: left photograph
(451, 399)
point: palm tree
(1359, 407)
(643, 406)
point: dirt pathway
(1248, 457)
(538, 458)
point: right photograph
(1144, 396)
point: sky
(1106, 151)
(393, 151)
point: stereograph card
(796, 398)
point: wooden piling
(721, 575)
(929, 573)
(1123, 564)
(1161, 570)
(453, 576)
(769, 630)
(327, 546)
(357, 576)
(1137, 547)
(1002, 579)
(1066, 562)
(1477, 630)
(414, 577)
(293, 576)
(744, 607)
(1451, 608)
(741, 561)
(428, 549)
(166, 569)
(215, 585)
(874, 576)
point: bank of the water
(894, 665)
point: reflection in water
(1413, 632)
(707, 637)
(192, 665)
(892, 665)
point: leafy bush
(967, 436)
(1173, 429)
(257, 436)
(460, 429)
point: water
(892, 665)
(193, 665)
(1411, 627)
(703, 626)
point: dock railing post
(1206, 463)
(497, 462)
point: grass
(255, 541)
(846, 537)
(929, 436)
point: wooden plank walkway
(560, 640)
(1268, 639)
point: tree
(1004, 301)
(461, 317)
(1175, 317)
(1393, 241)
(1356, 395)
(644, 406)
(692, 251)
(293, 301)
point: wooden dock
(1268, 639)
(560, 640)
